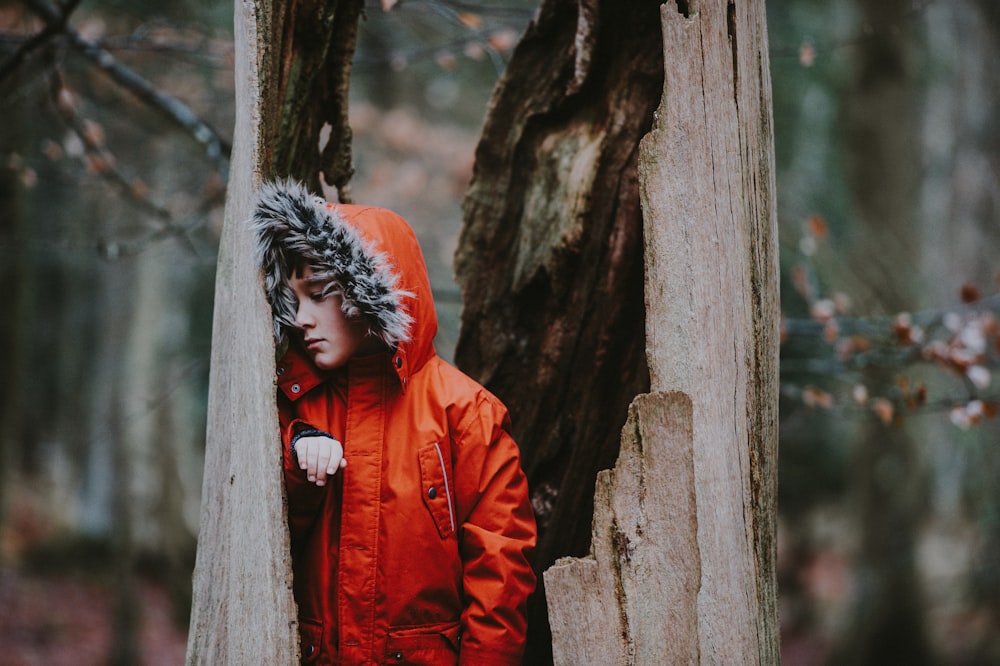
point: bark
(314, 46)
(549, 258)
(609, 608)
(243, 609)
(694, 565)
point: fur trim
(288, 220)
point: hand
(320, 457)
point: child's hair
(296, 266)
(295, 229)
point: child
(409, 515)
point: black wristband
(308, 432)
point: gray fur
(289, 220)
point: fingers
(322, 463)
(320, 457)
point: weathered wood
(712, 305)
(310, 61)
(707, 185)
(550, 254)
(243, 611)
(641, 557)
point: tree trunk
(243, 610)
(550, 254)
(550, 264)
(884, 166)
(694, 563)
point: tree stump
(639, 558)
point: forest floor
(68, 619)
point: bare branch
(102, 162)
(217, 149)
(51, 29)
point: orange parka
(418, 551)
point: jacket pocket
(310, 641)
(432, 645)
(436, 488)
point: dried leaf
(502, 40)
(831, 331)
(807, 54)
(902, 328)
(990, 409)
(814, 397)
(884, 410)
(817, 226)
(822, 310)
(445, 59)
(52, 150)
(93, 133)
(470, 20)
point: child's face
(329, 336)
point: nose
(303, 316)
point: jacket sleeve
(304, 498)
(496, 537)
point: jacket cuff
(308, 432)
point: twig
(103, 163)
(51, 29)
(217, 149)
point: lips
(312, 343)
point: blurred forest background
(116, 124)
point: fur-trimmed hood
(371, 253)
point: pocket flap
(435, 487)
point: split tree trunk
(290, 81)
(550, 257)
(682, 569)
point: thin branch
(217, 149)
(102, 162)
(52, 28)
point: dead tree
(549, 261)
(545, 259)
(243, 610)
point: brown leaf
(470, 20)
(807, 54)
(817, 226)
(969, 293)
(884, 410)
(502, 40)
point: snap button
(399, 361)
(296, 388)
(432, 492)
(280, 371)
(398, 656)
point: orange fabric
(418, 551)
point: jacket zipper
(447, 490)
